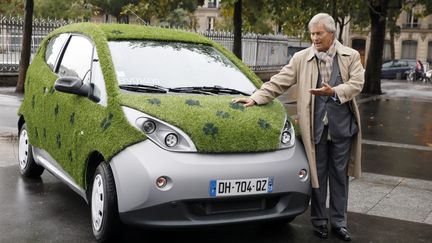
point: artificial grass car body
(149, 146)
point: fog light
(171, 140)
(161, 182)
(286, 137)
(149, 126)
(302, 174)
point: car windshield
(173, 65)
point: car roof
(133, 32)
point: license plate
(220, 188)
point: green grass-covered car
(140, 122)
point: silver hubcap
(23, 148)
(97, 202)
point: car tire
(103, 203)
(27, 165)
(410, 77)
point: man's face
(321, 38)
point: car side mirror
(74, 85)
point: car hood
(214, 123)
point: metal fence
(260, 52)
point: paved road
(45, 210)
(392, 202)
(9, 104)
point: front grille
(220, 206)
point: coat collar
(340, 49)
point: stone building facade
(413, 42)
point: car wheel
(104, 210)
(410, 77)
(27, 165)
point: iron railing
(260, 52)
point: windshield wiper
(144, 88)
(206, 89)
(193, 90)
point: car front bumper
(186, 201)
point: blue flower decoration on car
(263, 124)
(237, 106)
(223, 114)
(210, 129)
(193, 103)
(154, 101)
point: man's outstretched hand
(246, 101)
(325, 90)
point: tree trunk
(25, 46)
(392, 45)
(237, 48)
(377, 14)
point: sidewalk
(391, 197)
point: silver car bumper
(186, 201)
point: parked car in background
(397, 68)
(139, 121)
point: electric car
(140, 122)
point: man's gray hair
(324, 19)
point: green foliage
(164, 12)
(112, 7)
(60, 9)
(291, 17)
(12, 7)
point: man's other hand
(325, 90)
(246, 101)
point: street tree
(25, 45)
(378, 16)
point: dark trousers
(332, 163)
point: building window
(211, 23)
(386, 51)
(411, 20)
(409, 49)
(212, 4)
(429, 56)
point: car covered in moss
(140, 122)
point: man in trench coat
(328, 76)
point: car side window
(53, 49)
(77, 59)
(98, 80)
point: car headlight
(287, 138)
(161, 133)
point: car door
(72, 113)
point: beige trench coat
(303, 71)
